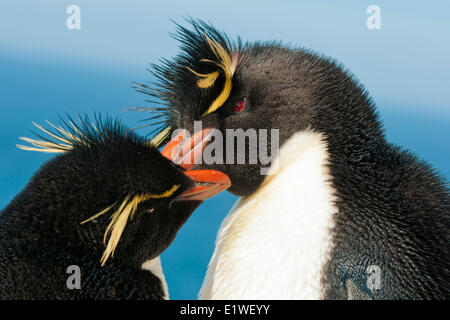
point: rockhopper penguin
(110, 204)
(344, 214)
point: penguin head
(113, 192)
(257, 86)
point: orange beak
(187, 152)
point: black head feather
(176, 87)
(107, 184)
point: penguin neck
(275, 242)
(349, 122)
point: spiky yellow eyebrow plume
(160, 137)
(228, 64)
(121, 216)
(64, 140)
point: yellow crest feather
(121, 216)
(160, 137)
(228, 64)
(63, 140)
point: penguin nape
(107, 185)
(343, 213)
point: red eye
(239, 105)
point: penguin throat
(275, 243)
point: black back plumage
(394, 215)
(394, 208)
(40, 230)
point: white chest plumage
(154, 266)
(274, 243)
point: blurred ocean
(47, 70)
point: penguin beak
(207, 183)
(186, 152)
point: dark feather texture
(176, 88)
(393, 208)
(41, 233)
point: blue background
(47, 69)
